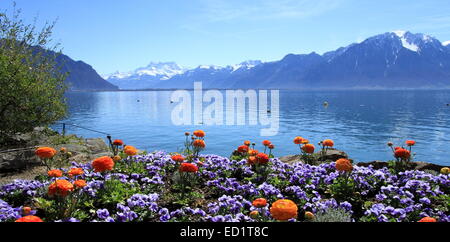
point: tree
(31, 83)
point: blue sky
(122, 35)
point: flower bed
(250, 187)
(142, 188)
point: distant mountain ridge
(397, 59)
(82, 77)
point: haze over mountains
(398, 59)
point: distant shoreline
(281, 89)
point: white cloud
(226, 10)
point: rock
(16, 160)
(291, 159)
(330, 155)
(82, 150)
(97, 145)
(334, 154)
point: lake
(360, 122)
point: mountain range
(81, 76)
(398, 59)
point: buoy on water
(326, 104)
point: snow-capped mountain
(170, 75)
(397, 59)
(145, 77)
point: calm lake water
(360, 122)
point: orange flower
(188, 167)
(247, 142)
(251, 160)
(60, 188)
(199, 133)
(284, 210)
(259, 203)
(199, 143)
(410, 142)
(305, 141)
(266, 143)
(118, 142)
(76, 172)
(187, 133)
(103, 164)
(178, 158)
(262, 158)
(29, 219)
(253, 152)
(26, 210)
(243, 149)
(428, 219)
(309, 216)
(63, 150)
(117, 158)
(130, 150)
(445, 170)
(344, 165)
(271, 146)
(55, 173)
(402, 153)
(80, 183)
(328, 143)
(45, 152)
(254, 214)
(298, 140)
(308, 148)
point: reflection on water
(360, 122)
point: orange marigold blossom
(55, 173)
(283, 210)
(79, 183)
(266, 142)
(262, 158)
(130, 150)
(60, 188)
(252, 152)
(445, 171)
(328, 143)
(247, 142)
(26, 210)
(271, 146)
(243, 149)
(29, 219)
(298, 140)
(199, 133)
(254, 214)
(410, 142)
(251, 160)
(76, 172)
(199, 143)
(178, 158)
(188, 167)
(344, 165)
(402, 153)
(309, 216)
(308, 148)
(45, 152)
(259, 203)
(305, 141)
(117, 158)
(428, 219)
(102, 164)
(118, 142)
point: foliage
(32, 84)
